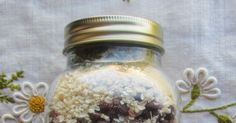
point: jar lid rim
(114, 28)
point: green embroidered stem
(189, 105)
(195, 93)
(214, 114)
(210, 109)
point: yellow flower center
(36, 104)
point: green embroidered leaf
(195, 92)
(222, 118)
(6, 99)
(8, 83)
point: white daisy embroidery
(6, 118)
(200, 79)
(30, 102)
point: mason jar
(113, 74)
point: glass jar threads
(114, 74)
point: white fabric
(197, 33)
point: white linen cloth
(197, 33)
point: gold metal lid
(114, 29)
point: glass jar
(114, 74)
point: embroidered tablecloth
(197, 33)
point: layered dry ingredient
(110, 95)
(114, 74)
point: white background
(197, 33)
